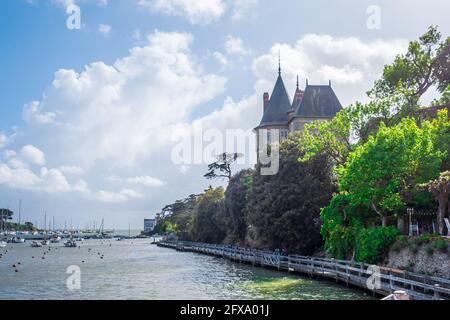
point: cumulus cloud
(196, 11)
(244, 8)
(146, 181)
(50, 181)
(350, 63)
(33, 155)
(127, 109)
(32, 113)
(104, 29)
(72, 170)
(4, 140)
(235, 46)
(118, 115)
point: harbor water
(135, 269)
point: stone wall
(420, 260)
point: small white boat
(18, 240)
(3, 244)
(36, 244)
(55, 240)
(79, 239)
(45, 242)
(70, 244)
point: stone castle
(282, 115)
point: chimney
(265, 100)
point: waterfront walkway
(380, 280)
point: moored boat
(18, 240)
(36, 244)
(55, 240)
(70, 244)
(3, 244)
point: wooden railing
(385, 280)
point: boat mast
(20, 207)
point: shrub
(397, 246)
(413, 247)
(440, 244)
(430, 250)
(372, 243)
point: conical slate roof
(318, 102)
(276, 112)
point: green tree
(382, 173)
(283, 210)
(426, 64)
(440, 188)
(440, 130)
(206, 225)
(444, 99)
(351, 126)
(222, 167)
(235, 206)
(176, 217)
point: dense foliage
(235, 206)
(372, 243)
(176, 218)
(206, 225)
(284, 208)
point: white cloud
(350, 63)
(53, 181)
(104, 29)
(235, 46)
(33, 155)
(116, 197)
(32, 113)
(110, 117)
(50, 181)
(72, 170)
(244, 8)
(196, 11)
(220, 58)
(128, 109)
(4, 140)
(146, 181)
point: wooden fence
(379, 280)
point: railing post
(336, 270)
(347, 275)
(391, 281)
(436, 293)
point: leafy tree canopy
(381, 173)
(283, 210)
(206, 226)
(426, 64)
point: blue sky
(86, 114)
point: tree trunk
(384, 221)
(441, 213)
(401, 225)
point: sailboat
(55, 239)
(36, 244)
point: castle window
(283, 134)
(269, 137)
